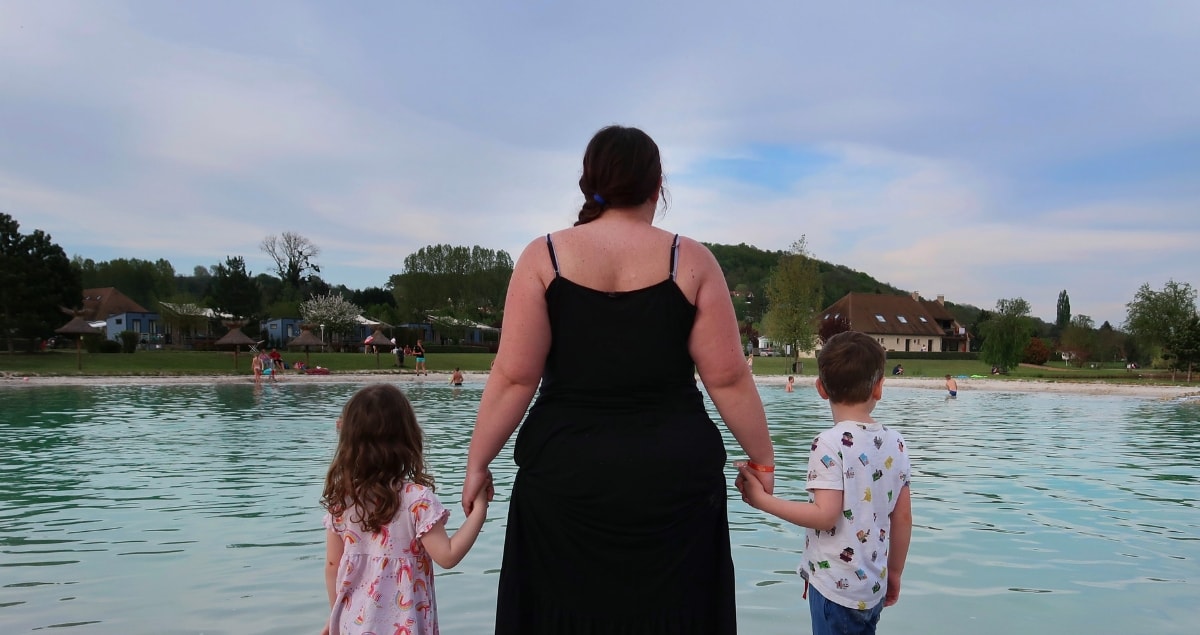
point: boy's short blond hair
(849, 365)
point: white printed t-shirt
(869, 464)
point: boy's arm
(898, 542)
(333, 559)
(822, 513)
(446, 550)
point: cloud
(976, 151)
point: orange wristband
(760, 468)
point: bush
(109, 346)
(946, 356)
(1036, 352)
(129, 341)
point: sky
(978, 151)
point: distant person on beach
(276, 359)
(859, 518)
(457, 377)
(419, 356)
(951, 386)
(256, 367)
(384, 523)
(268, 368)
(898, 369)
(791, 384)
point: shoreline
(803, 381)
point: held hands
(755, 486)
(478, 489)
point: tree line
(776, 293)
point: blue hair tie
(599, 199)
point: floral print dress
(385, 579)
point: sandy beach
(804, 381)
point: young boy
(859, 519)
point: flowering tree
(338, 314)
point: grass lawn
(1112, 372)
(62, 362)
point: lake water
(193, 509)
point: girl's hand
(484, 497)
(478, 483)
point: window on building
(922, 319)
(903, 320)
(880, 317)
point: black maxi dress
(617, 522)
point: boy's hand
(893, 589)
(749, 484)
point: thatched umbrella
(376, 340)
(80, 327)
(305, 339)
(235, 337)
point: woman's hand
(754, 485)
(478, 483)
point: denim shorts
(831, 618)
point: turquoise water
(193, 509)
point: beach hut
(305, 339)
(235, 338)
(378, 340)
(77, 327)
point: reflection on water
(194, 509)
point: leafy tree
(464, 282)
(1036, 352)
(1110, 343)
(338, 314)
(1079, 340)
(1063, 318)
(794, 297)
(1006, 334)
(233, 291)
(1183, 347)
(144, 281)
(831, 326)
(36, 282)
(193, 286)
(1154, 316)
(293, 255)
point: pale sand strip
(773, 381)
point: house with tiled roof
(119, 313)
(902, 322)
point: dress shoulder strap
(553, 257)
(674, 256)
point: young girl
(384, 522)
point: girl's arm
(517, 370)
(333, 560)
(446, 550)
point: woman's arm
(716, 347)
(517, 370)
